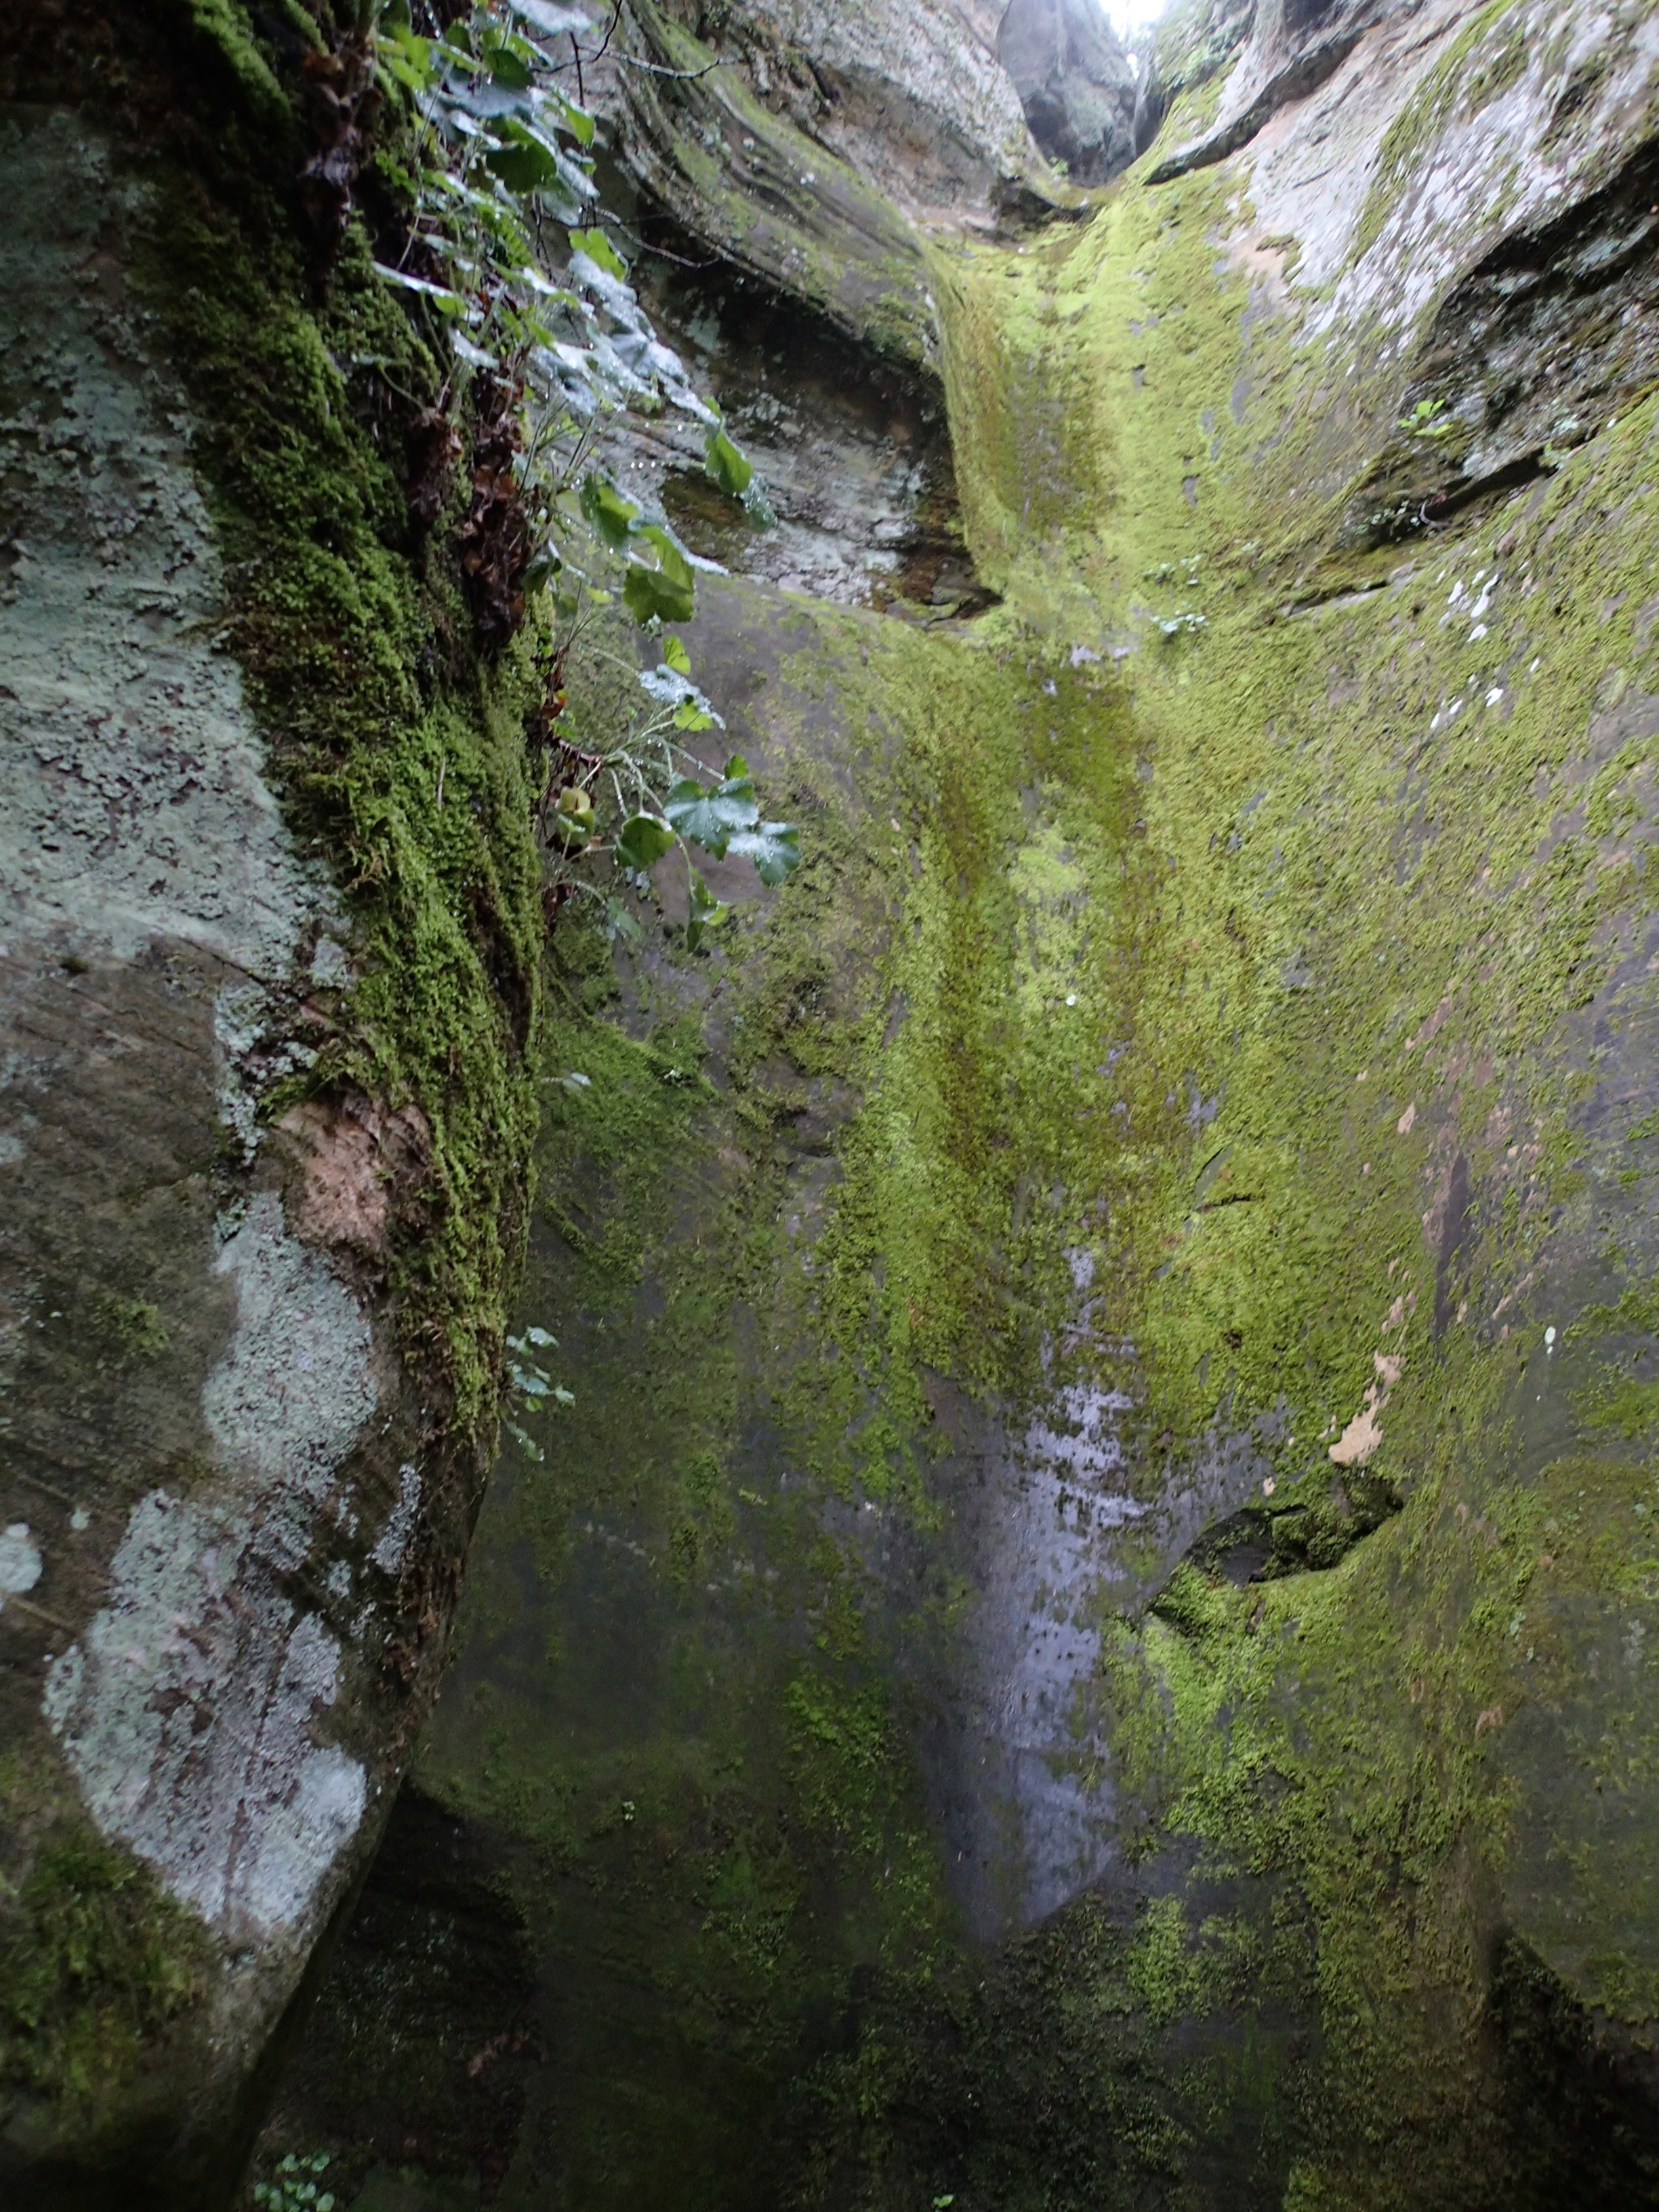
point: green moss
(136, 1325)
(95, 1961)
(354, 642)
(1358, 1021)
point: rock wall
(910, 95)
(1075, 83)
(250, 1273)
(1086, 1638)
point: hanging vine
(509, 267)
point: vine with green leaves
(558, 344)
(293, 2187)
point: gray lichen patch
(20, 1562)
(132, 801)
(186, 1709)
(285, 1403)
(186, 1714)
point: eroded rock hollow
(1083, 1638)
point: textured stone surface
(804, 142)
(201, 1413)
(909, 92)
(917, 102)
(1252, 1015)
(1291, 47)
(1111, 1325)
(853, 451)
(1075, 83)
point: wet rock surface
(1075, 83)
(189, 1387)
(1286, 50)
(226, 1510)
(853, 454)
(1088, 1634)
(1088, 1637)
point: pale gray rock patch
(187, 1709)
(919, 55)
(1488, 168)
(330, 965)
(390, 1552)
(186, 1713)
(296, 1386)
(132, 800)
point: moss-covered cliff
(1085, 1640)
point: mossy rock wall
(266, 1114)
(1086, 1640)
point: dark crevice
(1262, 1543)
(425, 2040)
(1539, 347)
(1583, 2091)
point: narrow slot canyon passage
(828, 1295)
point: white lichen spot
(239, 1021)
(20, 1562)
(287, 1400)
(390, 1552)
(329, 965)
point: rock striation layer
(1075, 84)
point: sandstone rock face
(916, 102)
(1088, 1635)
(1088, 1638)
(807, 141)
(1075, 83)
(222, 1486)
(983, 18)
(203, 1415)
